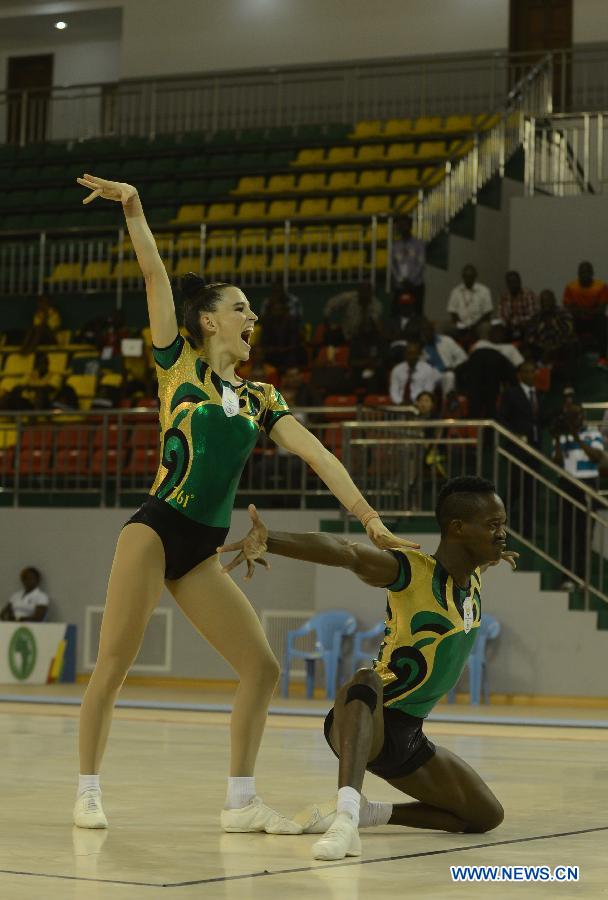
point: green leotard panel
(204, 450)
(425, 646)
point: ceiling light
(61, 25)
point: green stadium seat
(250, 162)
(191, 190)
(159, 215)
(252, 136)
(25, 175)
(193, 165)
(162, 166)
(279, 159)
(133, 168)
(16, 200)
(134, 144)
(164, 142)
(309, 132)
(223, 161)
(219, 186)
(159, 192)
(337, 131)
(223, 136)
(8, 152)
(52, 174)
(49, 197)
(16, 222)
(56, 151)
(279, 134)
(194, 139)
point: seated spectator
(517, 305)
(550, 335)
(586, 300)
(66, 399)
(407, 268)
(368, 358)
(281, 334)
(353, 307)
(411, 377)
(30, 604)
(482, 378)
(279, 294)
(470, 302)
(442, 352)
(258, 369)
(494, 337)
(39, 387)
(45, 325)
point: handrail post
(42, 252)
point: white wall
(551, 235)
(86, 63)
(590, 21)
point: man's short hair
(459, 499)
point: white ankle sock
(241, 791)
(88, 783)
(349, 801)
(375, 813)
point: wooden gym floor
(164, 783)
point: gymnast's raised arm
(161, 309)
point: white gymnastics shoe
(341, 839)
(88, 811)
(256, 816)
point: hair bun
(192, 284)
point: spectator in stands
(413, 376)
(494, 336)
(521, 412)
(281, 333)
(470, 303)
(442, 352)
(517, 305)
(279, 294)
(407, 268)
(579, 450)
(482, 377)
(45, 325)
(30, 604)
(66, 399)
(353, 308)
(293, 380)
(368, 358)
(586, 299)
(550, 336)
(39, 387)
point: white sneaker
(88, 811)
(316, 818)
(341, 839)
(256, 816)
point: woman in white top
(29, 605)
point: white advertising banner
(37, 652)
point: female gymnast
(210, 421)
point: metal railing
(291, 95)
(110, 458)
(566, 154)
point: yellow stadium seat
(165, 243)
(312, 157)
(425, 124)
(277, 237)
(188, 242)
(370, 153)
(342, 181)
(219, 211)
(316, 260)
(378, 204)
(63, 337)
(8, 434)
(221, 238)
(191, 212)
(487, 120)
(7, 384)
(344, 206)
(252, 238)
(16, 364)
(252, 264)
(58, 362)
(315, 236)
(404, 203)
(347, 234)
(458, 123)
(381, 258)
(126, 247)
(339, 155)
(219, 267)
(403, 178)
(313, 207)
(277, 184)
(367, 128)
(372, 178)
(381, 233)
(433, 176)
(460, 148)
(431, 149)
(95, 271)
(350, 259)
(277, 263)
(397, 126)
(65, 272)
(252, 209)
(185, 264)
(111, 379)
(282, 209)
(250, 185)
(84, 385)
(146, 334)
(311, 181)
(128, 268)
(400, 151)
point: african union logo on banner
(22, 653)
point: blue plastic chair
(359, 655)
(330, 628)
(488, 630)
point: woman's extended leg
(220, 611)
(134, 589)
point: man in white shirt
(29, 605)
(411, 377)
(497, 340)
(443, 353)
(470, 303)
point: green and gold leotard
(431, 625)
(208, 430)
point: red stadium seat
(337, 356)
(144, 461)
(377, 400)
(111, 437)
(332, 439)
(72, 439)
(7, 456)
(37, 438)
(146, 436)
(340, 400)
(34, 462)
(72, 461)
(105, 461)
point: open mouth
(246, 337)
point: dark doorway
(29, 83)
(537, 26)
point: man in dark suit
(521, 413)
